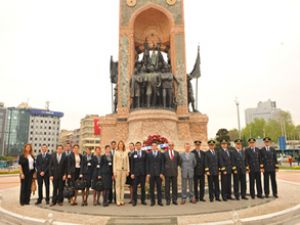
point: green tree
(222, 134)
(282, 124)
(255, 129)
(233, 134)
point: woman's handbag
(69, 191)
(99, 185)
(80, 184)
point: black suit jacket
(225, 161)
(57, 170)
(269, 159)
(42, 164)
(86, 169)
(238, 161)
(171, 166)
(211, 163)
(155, 164)
(253, 159)
(200, 166)
(138, 164)
(71, 163)
(23, 162)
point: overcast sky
(59, 51)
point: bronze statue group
(108, 172)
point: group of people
(108, 173)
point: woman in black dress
(87, 173)
(27, 169)
(106, 174)
(96, 165)
(75, 163)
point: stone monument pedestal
(144, 122)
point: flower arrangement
(162, 142)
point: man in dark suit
(269, 160)
(239, 170)
(42, 170)
(199, 173)
(212, 171)
(138, 172)
(226, 169)
(155, 173)
(253, 162)
(57, 173)
(171, 163)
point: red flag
(97, 128)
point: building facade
(69, 136)
(44, 128)
(87, 137)
(2, 127)
(16, 130)
(265, 110)
(29, 125)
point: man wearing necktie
(171, 163)
(154, 170)
(138, 172)
(199, 173)
(226, 169)
(212, 171)
(239, 170)
(57, 173)
(254, 163)
(188, 163)
(42, 169)
(269, 160)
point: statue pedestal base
(144, 122)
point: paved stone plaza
(288, 182)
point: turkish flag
(97, 128)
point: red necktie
(172, 156)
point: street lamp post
(238, 115)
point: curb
(256, 219)
(31, 220)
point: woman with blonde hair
(27, 169)
(120, 171)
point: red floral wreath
(155, 138)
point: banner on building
(97, 128)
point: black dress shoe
(202, 200)
(144, 203)
(260, 196)
(175, 203)
(224, 200)
(267, 196)
(218, 199)
(160, 204)
(52, 204)
(211, 200)
(253, 197)
(152, 204)
(38, 203)
(168, 203)
(134, 204)
(245, 198)
(275, 196)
